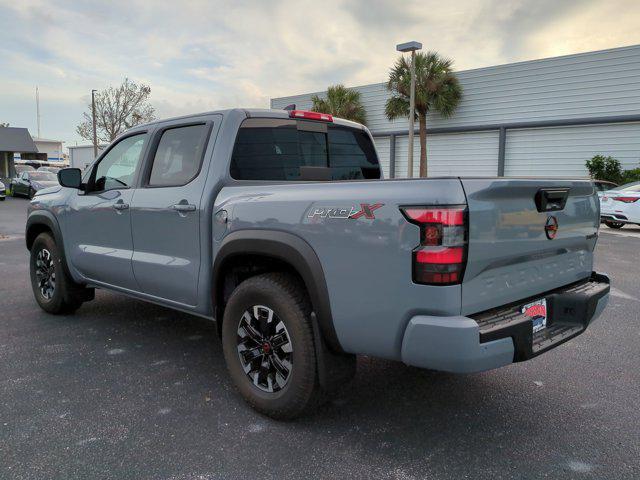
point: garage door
(457, 154)
(383, 149)
(563, 151)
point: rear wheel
(615, 225)
(268, 345)
(53, 289)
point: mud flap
(334, 369)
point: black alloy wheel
(265, 348)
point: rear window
(178, 156)
(280, 149)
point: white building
(53, 149)
(80, 156)
(540, 117)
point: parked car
(23, 168)
(49, 169)
(30, 182)
(603, 185)
(278, 226)
(621, 206)
(2, 191)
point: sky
(199, 55)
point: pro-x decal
(366, 210)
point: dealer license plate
(537, 312)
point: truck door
(166, 211)
(97, 227)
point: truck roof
(249, 112)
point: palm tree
(341, 102)
(437, 88)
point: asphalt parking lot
(124, 389)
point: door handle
(120, 205)
(183, 207)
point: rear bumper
(616, 217)
(500, 336)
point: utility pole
(411, 47)
(38, 110)
(93, 119)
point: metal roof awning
(14, 139)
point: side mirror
(70, 178)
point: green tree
(605, 168)
(437, 89)
(341, 102)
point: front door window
(118, 167)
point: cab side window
(117, 168)
(178, 156)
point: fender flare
(292, 250)
(46, 218)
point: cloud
(205, 54)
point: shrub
(605, 168)
(631, 176)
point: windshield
(629, 187)
(43, 176)
(24, 168)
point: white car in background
(621, 205)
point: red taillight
(626, 199)
(440, 258)
(324, 117)
(444, 255)
(445, 216)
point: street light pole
(411, 47)
(93, 119)
(412, 111)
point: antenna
(38, 109)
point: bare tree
(117, 109)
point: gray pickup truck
(278, 226)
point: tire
(282, 294)
(62, 295)
(616, 225)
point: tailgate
(513, 252)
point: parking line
(620, 294)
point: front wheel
(268, 344)
(53, 289)
(615, 225)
